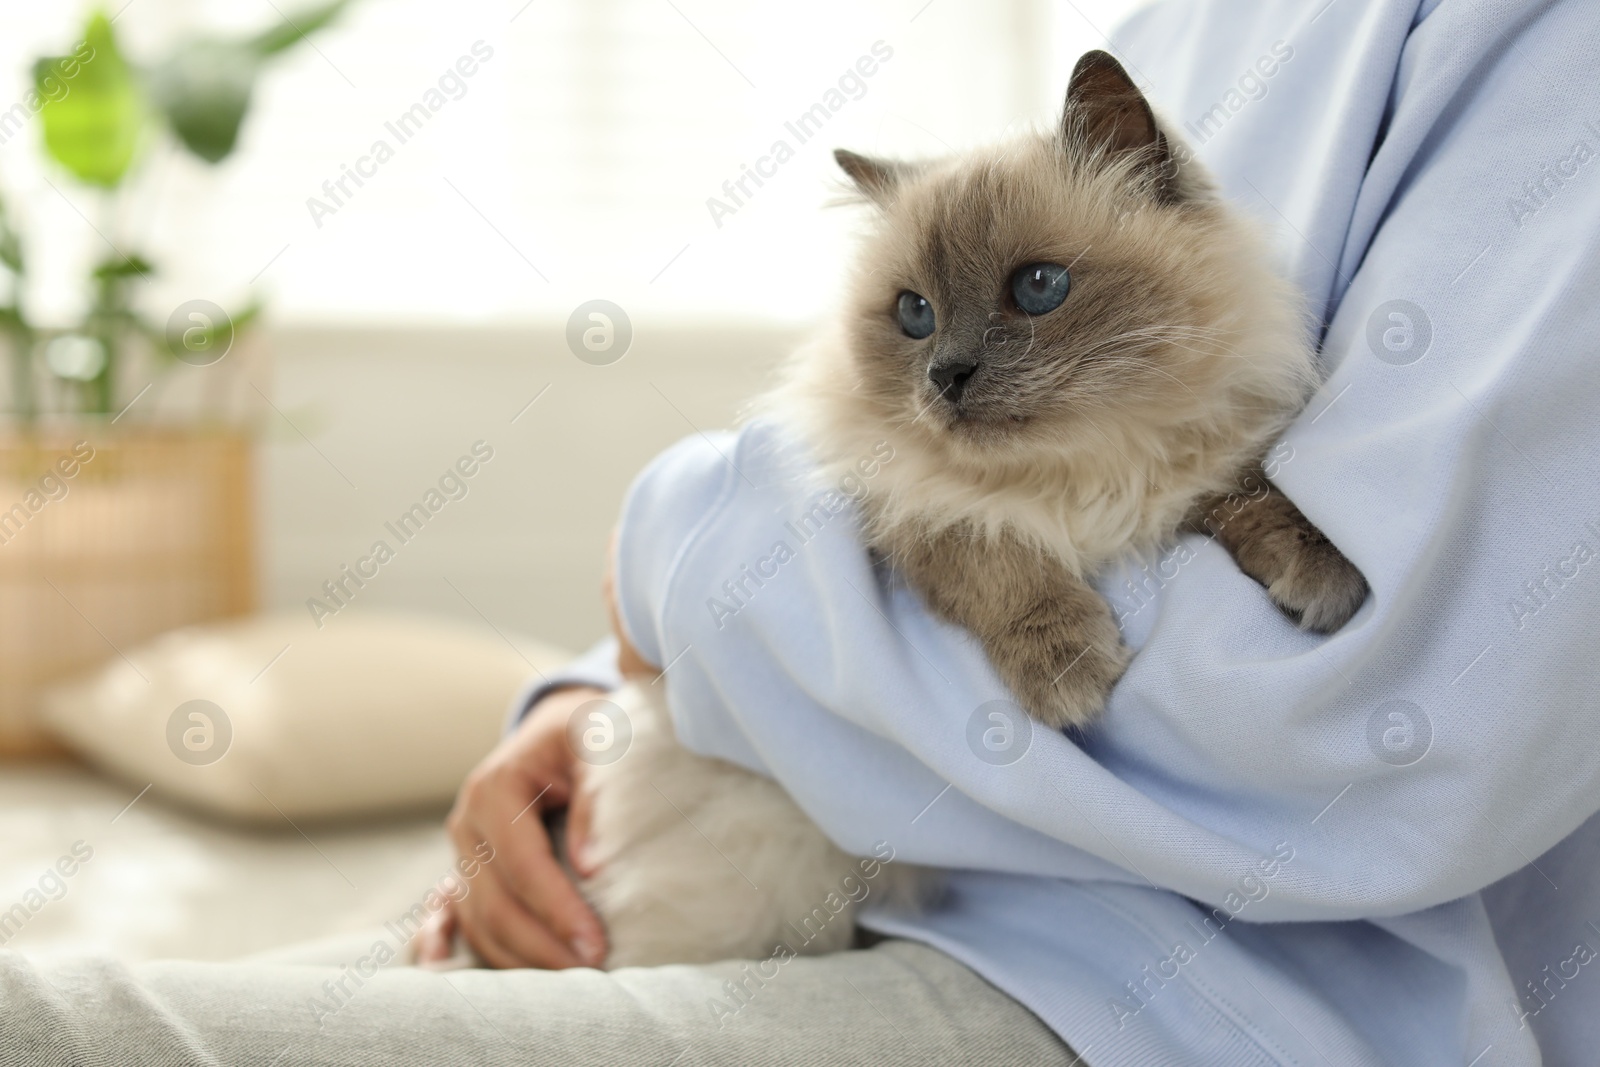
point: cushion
(268, 717)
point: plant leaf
(91, 111)
(246, 317)
(204, 91)
(10, 249)
(204, 88)
(120, 266)
(10, 244)
(295, 27)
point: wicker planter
(107, 538)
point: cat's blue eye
(916, 315)
(1040, 288)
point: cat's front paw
(1063, 677)
(1316, 585)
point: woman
(1275, 849)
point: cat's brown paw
(1315, 585)
(1274, 543)
(1062, 674)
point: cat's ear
(1107, 114)
(878, 179)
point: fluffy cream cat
(1077, 350)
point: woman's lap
(896, 1003)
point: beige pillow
(268, 717)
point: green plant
(98, 112)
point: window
(575, 161)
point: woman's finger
(542, 887)
(434, 941)
(505, 934)
(524, 866)
(579, 815)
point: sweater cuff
(596, 667)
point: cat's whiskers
(924, 411)
(1139, 361)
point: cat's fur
(698, 860)
(1141, 406)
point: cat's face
(1012, 298)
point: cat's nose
(950, 377)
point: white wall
(391, 411)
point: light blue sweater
(1275, 848)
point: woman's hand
(521, 909)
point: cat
(1077, 350)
